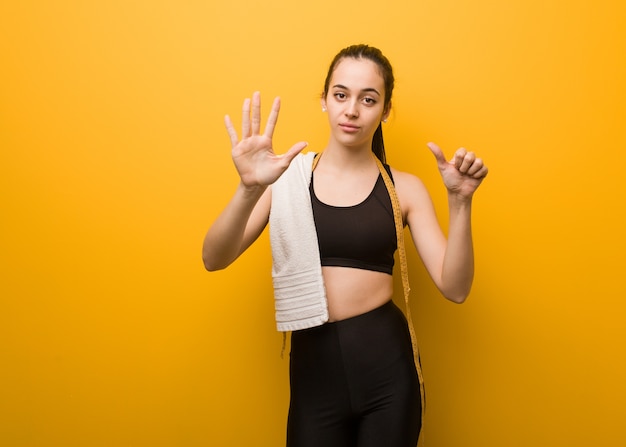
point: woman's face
(355, 102)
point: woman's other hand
(253, 154)
(462, 174)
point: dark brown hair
(375, 55)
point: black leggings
(354, 383)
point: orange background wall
(114, 161)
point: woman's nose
(352, 110)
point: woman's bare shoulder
(412, 193)
(406, 181)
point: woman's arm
(247, 213)
(237, 227)
(449, 262)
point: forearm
(457, 272)
(226, 238)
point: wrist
(459, 200)
(251, 192)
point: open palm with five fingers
(253, 154)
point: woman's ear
(323, 102)
(386, 112)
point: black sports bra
(361, 236)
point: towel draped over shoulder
(300, 296)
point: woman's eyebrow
(369, 89)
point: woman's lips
(351, 128)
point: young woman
(353, 377)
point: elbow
(215, 260)
(456, 296)
(457, 299)
(212, 265)
(456, 291)
(211, 268)
(208, 265)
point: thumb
(294, 150)
(438, 153)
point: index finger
(273, 118)
(459, 156)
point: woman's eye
(369, 101)
(340, 95)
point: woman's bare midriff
(351, 292)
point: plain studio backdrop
(115, 160)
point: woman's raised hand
(253, 155)
(463, 173)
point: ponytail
(378, 145)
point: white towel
(300, 296)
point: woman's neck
(351, 158)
